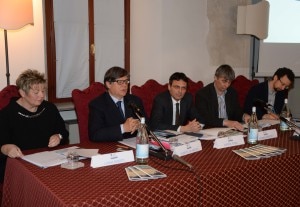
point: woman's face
(35, 96)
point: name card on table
(112, 158)
(268, 134)
(229, 141)
(187, 148)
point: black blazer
(162, 112)
(207, 105)
(261, 91)
(105, 118)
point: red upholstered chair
(7, 93)
(242, 85)
(147, 92)
(81, 99)
(194, 87)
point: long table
(220, 178)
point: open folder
(56, 157)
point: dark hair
(280, 72)
(225, 71)
(114, 73)
(178, 76)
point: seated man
(218, 103)
(272, 92)
(173, 109)
(111, 118)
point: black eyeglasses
(121, 82)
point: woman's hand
(54, 140)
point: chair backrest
(147, 92)
(7, 93)
(81, 99)
(194, 87)
(242, 85)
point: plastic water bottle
(285, 113)
(142, 144)
(253, 128)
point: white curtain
(72, 41)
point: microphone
(182, 161)
(136, 109)
(262, 104)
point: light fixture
(14, 14)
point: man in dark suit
(163, 114)
(110, 117)
(218, 103)
(273, 92)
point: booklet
(143, 172)
(259, 151)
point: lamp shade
(15, 14)
(254, 19)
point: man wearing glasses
(110, 116)
(174, 108)
(272, 92)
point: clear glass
(253, 128)
(142, 144)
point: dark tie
(120, 108)
(177, 114)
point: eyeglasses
(121, 82)
(283, 84)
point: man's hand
(192, 126)
(131, 125)
(11, 150)
(233, 124)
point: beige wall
(193, 36)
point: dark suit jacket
(261, 91)
(207, 105)
(105, 118)
(162, 112)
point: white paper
(130, 142)
(112, 158)
(45, 159)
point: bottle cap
(286, 101)
(253, 109)
(142, 120)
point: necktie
(120, 108)
(177, 114)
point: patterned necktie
(120, 108)
(177, 114)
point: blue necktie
(120, 108)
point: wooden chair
(147, 92)
(242, 85)
(7, 93)
(81, 99)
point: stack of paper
(259, 151)
(143, 172)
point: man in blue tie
(110, 117)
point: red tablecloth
(221, 178)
